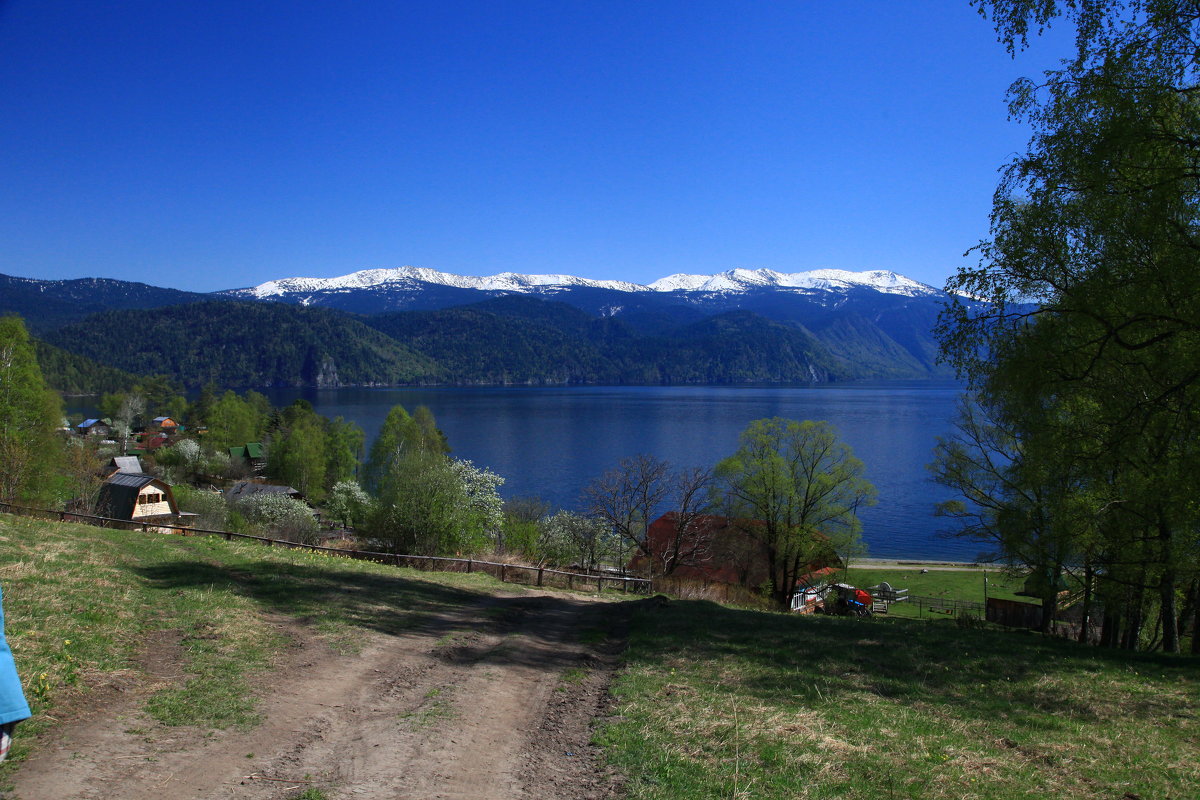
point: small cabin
(164, 424)
(252, 455)
(140, 498)
(95, 427)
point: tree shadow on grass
(982, 674)
(394, 603)
(388, 604)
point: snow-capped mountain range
(734, 281)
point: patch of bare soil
(496, 701)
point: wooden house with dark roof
(244, 489)
(95, 427)
(252, 454)
(140, 498)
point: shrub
(210, 507)
(280, 517)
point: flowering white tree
(280, 516)
(349, 503)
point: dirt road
(493, 701)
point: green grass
(720, 703)
(81, 603)
(964, 585)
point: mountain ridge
(739, 326)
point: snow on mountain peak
(731, 281)
(737, 280)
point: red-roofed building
(714, 550)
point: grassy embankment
(82, 605)
(715, 702)
(718, 702)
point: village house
(131, 464)
(95, 427)
(164, 424)
(252, 456)
(244, 489)
(140, 498)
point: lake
(551, 442)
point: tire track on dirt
(491, 701)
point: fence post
(503, 573)
(570, 580)
(625, 585)
(470, 566)
(539, 576)
(600, 584)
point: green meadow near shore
(711, 701)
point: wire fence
(508, 573)
(944, 605)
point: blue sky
(212, 145)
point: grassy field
(724, 703)
(948, 584)
(81, 604)
(714, 702)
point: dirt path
(495, 701)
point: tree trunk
(1166, 586)
(1085, 616)
(1170, 618)
(1110, 633)
(1133, 629)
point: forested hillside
(232, 344)
(46, 305)
(74, 374)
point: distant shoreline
(919, 563)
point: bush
(210, 507)
(279, 517)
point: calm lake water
(550, 442)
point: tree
(232, 421)
(1086, 343)
(521, 531)
(29, 414)
(343, 451)
(628, 497)
(348, 503)
(280, 516)
(298, 453)
(631, 496)
(82, 468)
(1040, 520)
(400, 436)
(568, 538)
(796, 489)
(210, 508)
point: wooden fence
(943, 605)
(508, 573)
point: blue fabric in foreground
(12, 700)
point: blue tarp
(12, 700)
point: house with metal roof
(95, 427)
(131, 464)
(244, 489)
(164, 424)
(252, 455)
(140, 498)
